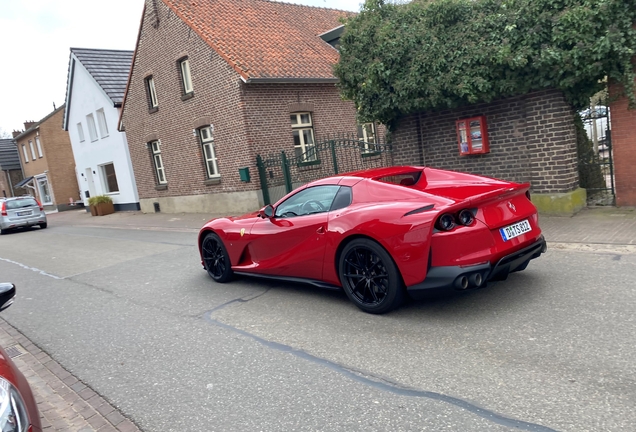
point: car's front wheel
(216, 259)
(369, 277)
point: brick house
(213, 84)
(95, 89)
(531, 138)
(10, 169)
(47, 162)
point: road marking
(42, 272)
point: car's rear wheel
(43, 225)
(369, 277)
(216, 259)
(4, 231)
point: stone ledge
(560, 204)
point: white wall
(86, 98)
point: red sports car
(382, 233)
(18, 409)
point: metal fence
(281, 173)
(595, 156)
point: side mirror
(267, 211)
(7, 295)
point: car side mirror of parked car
(7, 295)
(267, 211)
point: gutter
(290, 80)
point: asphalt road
(132, 314)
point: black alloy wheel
(369, 277)
(216, 259)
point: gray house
(10, 169)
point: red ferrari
(381, 234)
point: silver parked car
(24, 211)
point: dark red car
(382, 233)
(18, 410)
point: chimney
(28, 124)
(15, 133)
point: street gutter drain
(15, 351)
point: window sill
(161, 187)
(153, 110)
(212, 181)
(370, 154)
(309, 163)
(187, 96)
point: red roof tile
(265, 39)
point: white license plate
(515, 230)
(24, 213)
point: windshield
(20, 203)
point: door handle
(321, 230)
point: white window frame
(157, 161)
(186, 76)
(92, 129)
(104, 174)
(32, 149)
(299, 125)
(39, 147)
(370, 140)
(209, 156)
(26, 155)
(80, 132)
(101, 121)
(152, 92)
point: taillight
(39, 205)
(4, 208)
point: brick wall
(57, 159)
(624, 147)
(248, 119)
(532, 139)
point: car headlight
(13, 414)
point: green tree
(439, 54)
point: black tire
(3, 231)
(44, 225)
(369, 277)
(216, 259)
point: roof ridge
(307, 6)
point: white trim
(26, 154)
(157, 161)
(209, 155)
(305, 132)
(32, 149)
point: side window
(157, 162)
(303, 131)
(207, 146)
(186, 76)
(151, 93)
(317, 199)
(343, 198)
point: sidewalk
(594, 225)
(67, 404)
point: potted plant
(103, 205)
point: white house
(94, 93)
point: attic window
(332, 37)
(151, 93)
(186, 76)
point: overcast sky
(35, 38)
